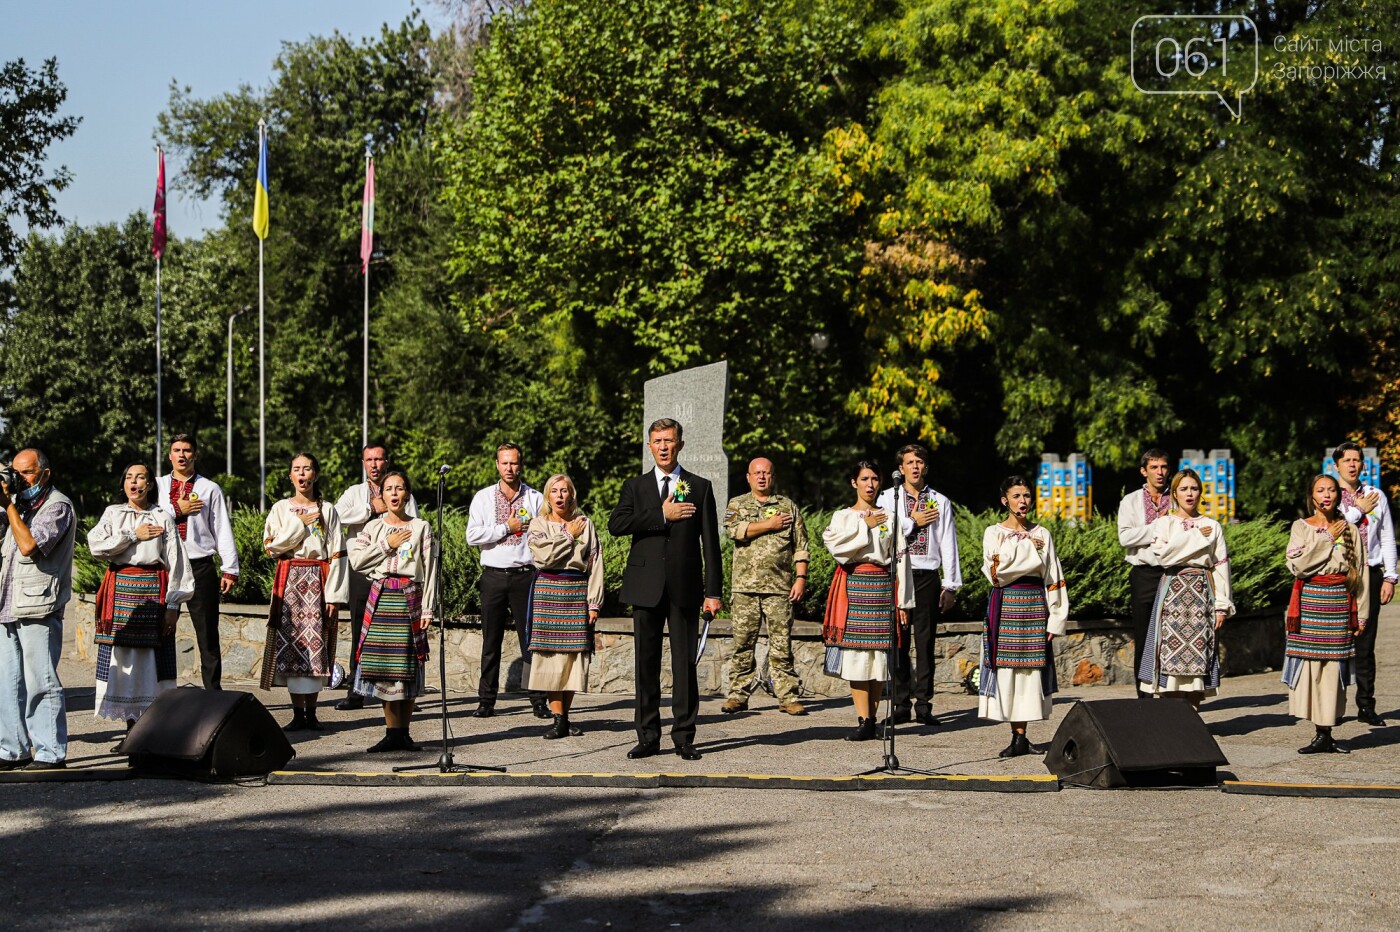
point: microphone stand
(444, 762)
(889, 763)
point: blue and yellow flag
(260, 196)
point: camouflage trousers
(747, 613)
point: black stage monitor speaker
(1136, 743)
(192, 732)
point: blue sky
(118, 59)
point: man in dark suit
(670, 515)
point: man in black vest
(670, 515)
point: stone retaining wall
(1091, 653)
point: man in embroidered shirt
(924, 521)
(202, 517)
(1136, 513)
(499, 515)
(36, 582)
(357, 506)
(1366, 507)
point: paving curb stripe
(1318, 790)
(968, 782)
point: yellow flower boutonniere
(682, 490)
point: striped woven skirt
(558, 614)
(1182, 654)
(138, 607)
(1015, 638)
(130, 677)
(1324, 632)
(391, 651)
(869, 610)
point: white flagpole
(159, 399)
(262, 360)
(364, 416)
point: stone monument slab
(697, 398)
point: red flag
(367, 218)
(158, 234)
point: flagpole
(159, 398)
(158, 247)
(364, 415)
(262, 362)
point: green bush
(1095, 571)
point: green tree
(77, 358)
(640, 187)
(29, 124)
(329, 98)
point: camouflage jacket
(764, 563)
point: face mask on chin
(30, 494)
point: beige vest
(42, 585)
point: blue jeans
(32, 711)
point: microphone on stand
(444, 469)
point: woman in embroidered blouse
(399, 555)
(861, 602)
(1027, 607)
(1182, 659)
(312, 581)
(1329, 603)
(148, 578)
(564, 599)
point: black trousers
(359, 598)
(683, 626)
(923, 622)
(1142, 588)
(1366, 646)
(203, 607)
(505, 596)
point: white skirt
(1319, 696)
(1177, 684)
(131, 685)
(558, 672)
(1020, 697)
(859, 666)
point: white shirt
(675, 475)
(487, 529)
(1135, 532)
(355, 510)
(208, 531)
(934, 547)
(1380, 530)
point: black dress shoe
(924, 716)
(865, 730)
(644, 750)
(540, 707)
(46, 765)
(1019, 745)
(350, 703)
(902, 715)
(484, 710)
(1370, 717)
(15, 764)
(1322, 743)
(688, 752)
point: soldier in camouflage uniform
(769, 576)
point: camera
(13, 481)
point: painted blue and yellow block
(1217, 472)
(1064, 488)
(1370, 467)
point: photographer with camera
(36, 581)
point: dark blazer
(666, 560)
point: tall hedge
(1095, 572)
